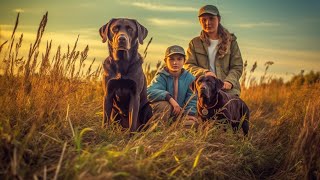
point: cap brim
(175, 53)
(214, 14)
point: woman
(215, 52)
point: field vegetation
(51, 114)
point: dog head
(122, 34)
(206, 86)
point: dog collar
(204, 110)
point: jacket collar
(206, 43)
(204, 38)
(165, 71)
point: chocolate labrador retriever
(124, 83)
(215, 104)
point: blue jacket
(162, 85)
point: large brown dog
(214, 104)
(124, 83)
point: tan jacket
(228, 68)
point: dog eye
(129, 29)
(115, 29)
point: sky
(283, 31)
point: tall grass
(35, 92)
(51, 111)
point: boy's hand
(176, 108)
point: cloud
(178, 37)
(19, 10)
(87, 5)
(255, 25)
(58, 38)
(24, 27)
(298, 55)
(84, 31)
(6, 26)
(287, 61)
(169, 22)
(159, 7)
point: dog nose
(202, 88)
(122, 38)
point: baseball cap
(175, 49)
(209, 9)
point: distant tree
(310, 78)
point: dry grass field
(50, 127)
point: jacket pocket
(202, 58)
(201, 51)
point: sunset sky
(283, 31)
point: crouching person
(170, 91)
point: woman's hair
(225, 42)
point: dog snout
(122, 42)
(202, 87)
(122, 39)
(203, 90)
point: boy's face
(175, 62)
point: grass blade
(196, 160)
(60, 161)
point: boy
(169, 90)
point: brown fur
(214, 104)
(124, 83)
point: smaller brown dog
(214, 104)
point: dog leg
(105, 116)
(107, 109)
(145, 114)
(245, 127)
(134, 112)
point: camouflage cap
(209, 9)
(175, 49)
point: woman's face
(209, 23)
(175, 62)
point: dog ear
(193, 86)
(219, 83)
(104, 31)
(142, 32)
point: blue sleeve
(156, 91)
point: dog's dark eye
(115, 29)
(199, 81)
(129, 29)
